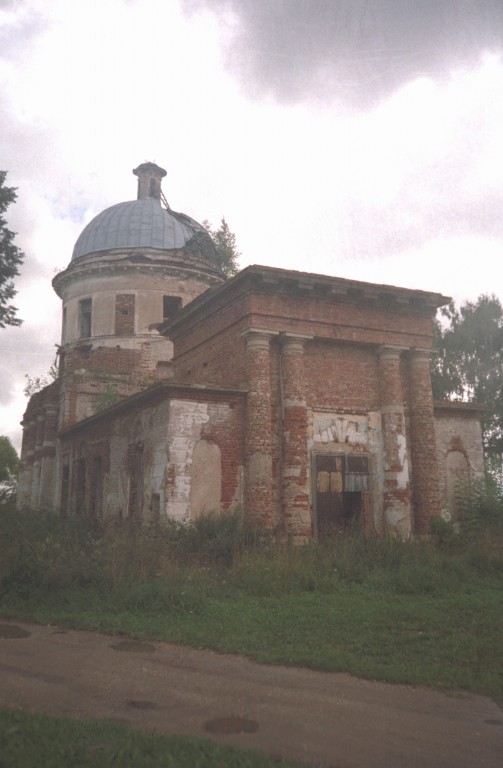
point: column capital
(50, 408)
(294, 342)
(258, 338)
(422, 354)
(391, 350)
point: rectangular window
(80, 495)
(85, 311)
(341, 493)
(124, 314)
(136, 476)
(170, 306)
(65, 487)
(97, 487)
(156, 507)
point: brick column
(37, 461)
(26, 468)
(47, 459)
(396, 491)
(425, 472)
(295, 476)
(259, 491)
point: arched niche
(458, 477)
(205, 479)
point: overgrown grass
(30, 741)
(411, 612)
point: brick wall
(458, 430)
(346, 328)
(145, 428)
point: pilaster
(425, 473)
(396, 487)
(295, 478)
(259, 490)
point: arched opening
(205, 479)
(458, 478)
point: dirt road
(320, 718)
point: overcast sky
(358, 138)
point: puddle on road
(140, 704)
(494, 722)
(92, 749)
(231, 725)
(134, 646)
(13, 632)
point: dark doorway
(97, 488)
(80, 495)
(136, 464)
(65, 489)
(341, 490)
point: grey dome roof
(136, 224)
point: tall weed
(170, 567)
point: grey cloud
(27, 24)
(414, 218)
(353, 51)
(21, 352)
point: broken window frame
(85, 318)
(171, 305)
(359, 464)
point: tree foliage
(36, 383)
(11, 257)
(9, 466)
(225, 244)
(469, 366)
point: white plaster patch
(402, 477)
(185, 421)
(206, 479)
(398, 521)
(260, 467)
(240, 484)
(335, 428)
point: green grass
(30, 741)
(403, 612)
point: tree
(9, 465)
(225, 243)
(10, 258)
(469, 366)
(35, 383)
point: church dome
(136, 224)
(144, 222)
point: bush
(480, 504)
(213, 538)
(170, 567)
(39, 552)
(159, 596)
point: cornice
(177, 263)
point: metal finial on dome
(150, 176)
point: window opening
(97, 487)
(156, 507)
(85, 311)
(80, 495)
(341, 493)
(65, 488)
(135, 501)
(124, 314)
(170, 306)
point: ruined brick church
(303, 400)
